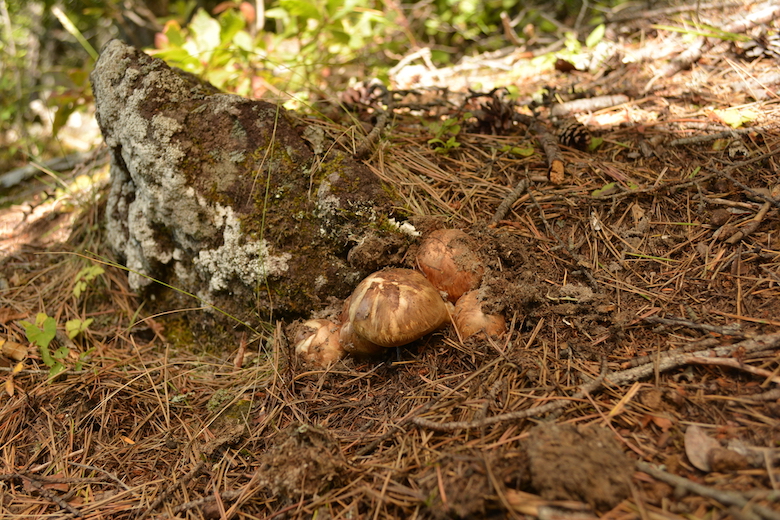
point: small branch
(373, 136)
(511, 416)
(667, 362)
(751, 226)
(728, 330)
(729, 498)
(733, 363)
(706, 138)
(171, 488)
(766, 341)
(555, 162)
(48, 495)
(508, 201)
(587, 105)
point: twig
(728, 330)
(751, 226)
(373, 136)
(705, 138)
(511, 416)
(59, 164)
(171, 487)
(733, 363)
(587, 105)
(508, 201)
(690, 347)
(748, 189)
(667, 362)
(99, 470)
(51, 496)
(771, 395)
(555, 162)
(631, 375)
(729, 498)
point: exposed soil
(638, 378)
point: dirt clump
(464, 484)
(585, 464)
(304, 460)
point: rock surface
(220, 196)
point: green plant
(43, 331)
(525, 151)
(446, 133)
(310, 38)
(85, 276)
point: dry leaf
(698, 446)
(9, 387)
(7, 315)
(13, 350)
(663, 423)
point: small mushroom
(394, 307)
(356, 345)
(470, 320)
(448, 259)
(317, 342)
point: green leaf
(174, 34)
(61, 353)
(608, 189)
(79, 288)
(596, 35)
(278, 13)
(303, 8)
(244, 41)
(56, 369)
(206, 31)
(76, 327)
(516, 150)
(735, 117)
(42, 332)
(87, 274)
(232, 22)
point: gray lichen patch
(249, 262)
(220, 196)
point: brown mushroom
(448, 259)
(317, 342)
(470, 320)
(394, 307)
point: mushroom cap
(317, 342)
(356, 345)
(448, 259)
(470, 320)
(394, 307)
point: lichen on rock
(220, 196)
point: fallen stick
(762, 342)
(729, 498)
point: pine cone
(574, 134)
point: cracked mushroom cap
(394, 307)
(449, 260)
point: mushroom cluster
(394, 306)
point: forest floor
(639, 377)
